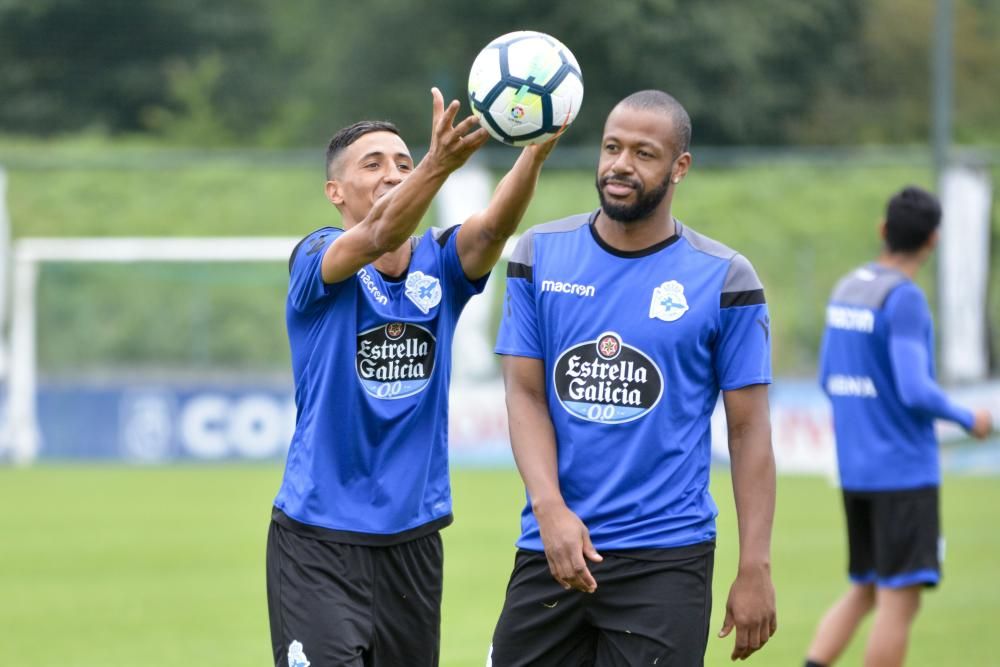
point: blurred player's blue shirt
(877, 368)
(371, 359)
(636, 348)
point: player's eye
(403, 166)
(371, 165)
(610, 148)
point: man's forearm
(533, 443)
(754, 492)
(512, 196)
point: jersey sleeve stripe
(518, 270)
(753, 297)
(442, 236)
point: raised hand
(452, 145)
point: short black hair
(911, 216)
(657, 100)
(348, 135)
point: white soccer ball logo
(526, 87)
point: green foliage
(887, 98)
(279, 74)
(165, 566)
(802, 225)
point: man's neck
(906, 263)
(395, 262)
(636, 235)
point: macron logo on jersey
(850, 319)
(851, 385)
(372, 288)
(568, 288)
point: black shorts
(344, 604)
(893, 537)
(650, 607)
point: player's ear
(932, 240)
(333, 193)
(681, 166)
(882, 233)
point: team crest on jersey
(395, 360)
(605, 380)
(423, 290)
(668, 302)
(297, 656)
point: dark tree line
(253, 72)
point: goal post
(21, 437)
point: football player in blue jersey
(877, 368)
(620, 328)
(354, 555)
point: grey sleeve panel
(705, 244)
(441, 234)
(741, 276)
(866, 288)
(524, 251)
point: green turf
(104, 566)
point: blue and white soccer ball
(526, 87)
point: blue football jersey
(371, 360)
(877, 368)
(636, 347)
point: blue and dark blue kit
(877, 368)
(354, 558)
(636, 348)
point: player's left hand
(751, 610)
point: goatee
(645, 202)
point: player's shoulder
(439, 235)
(312, 242)
(740, 274)
(563, 225)
(870, 286)
(524, 249)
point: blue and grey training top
(636, 347)
(877, 367)
(371, 360)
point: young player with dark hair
(619, 330)
(354, 556)
(877, 368)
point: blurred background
(147, 397)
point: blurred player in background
(620, 327)
(877, 367)
(354, 556)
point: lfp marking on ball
(526, 87)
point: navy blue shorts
(651, 607)
(353, 605)
(893, 537)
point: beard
(645, 202)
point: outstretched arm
(564, 536)
(395, 215)
(909, 321)
(481, 238)
(751, 607)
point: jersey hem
(517, 353)
(740, 384)
(321, 533)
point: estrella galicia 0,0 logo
(395, 360)
(605, 380)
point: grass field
(108, 566)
